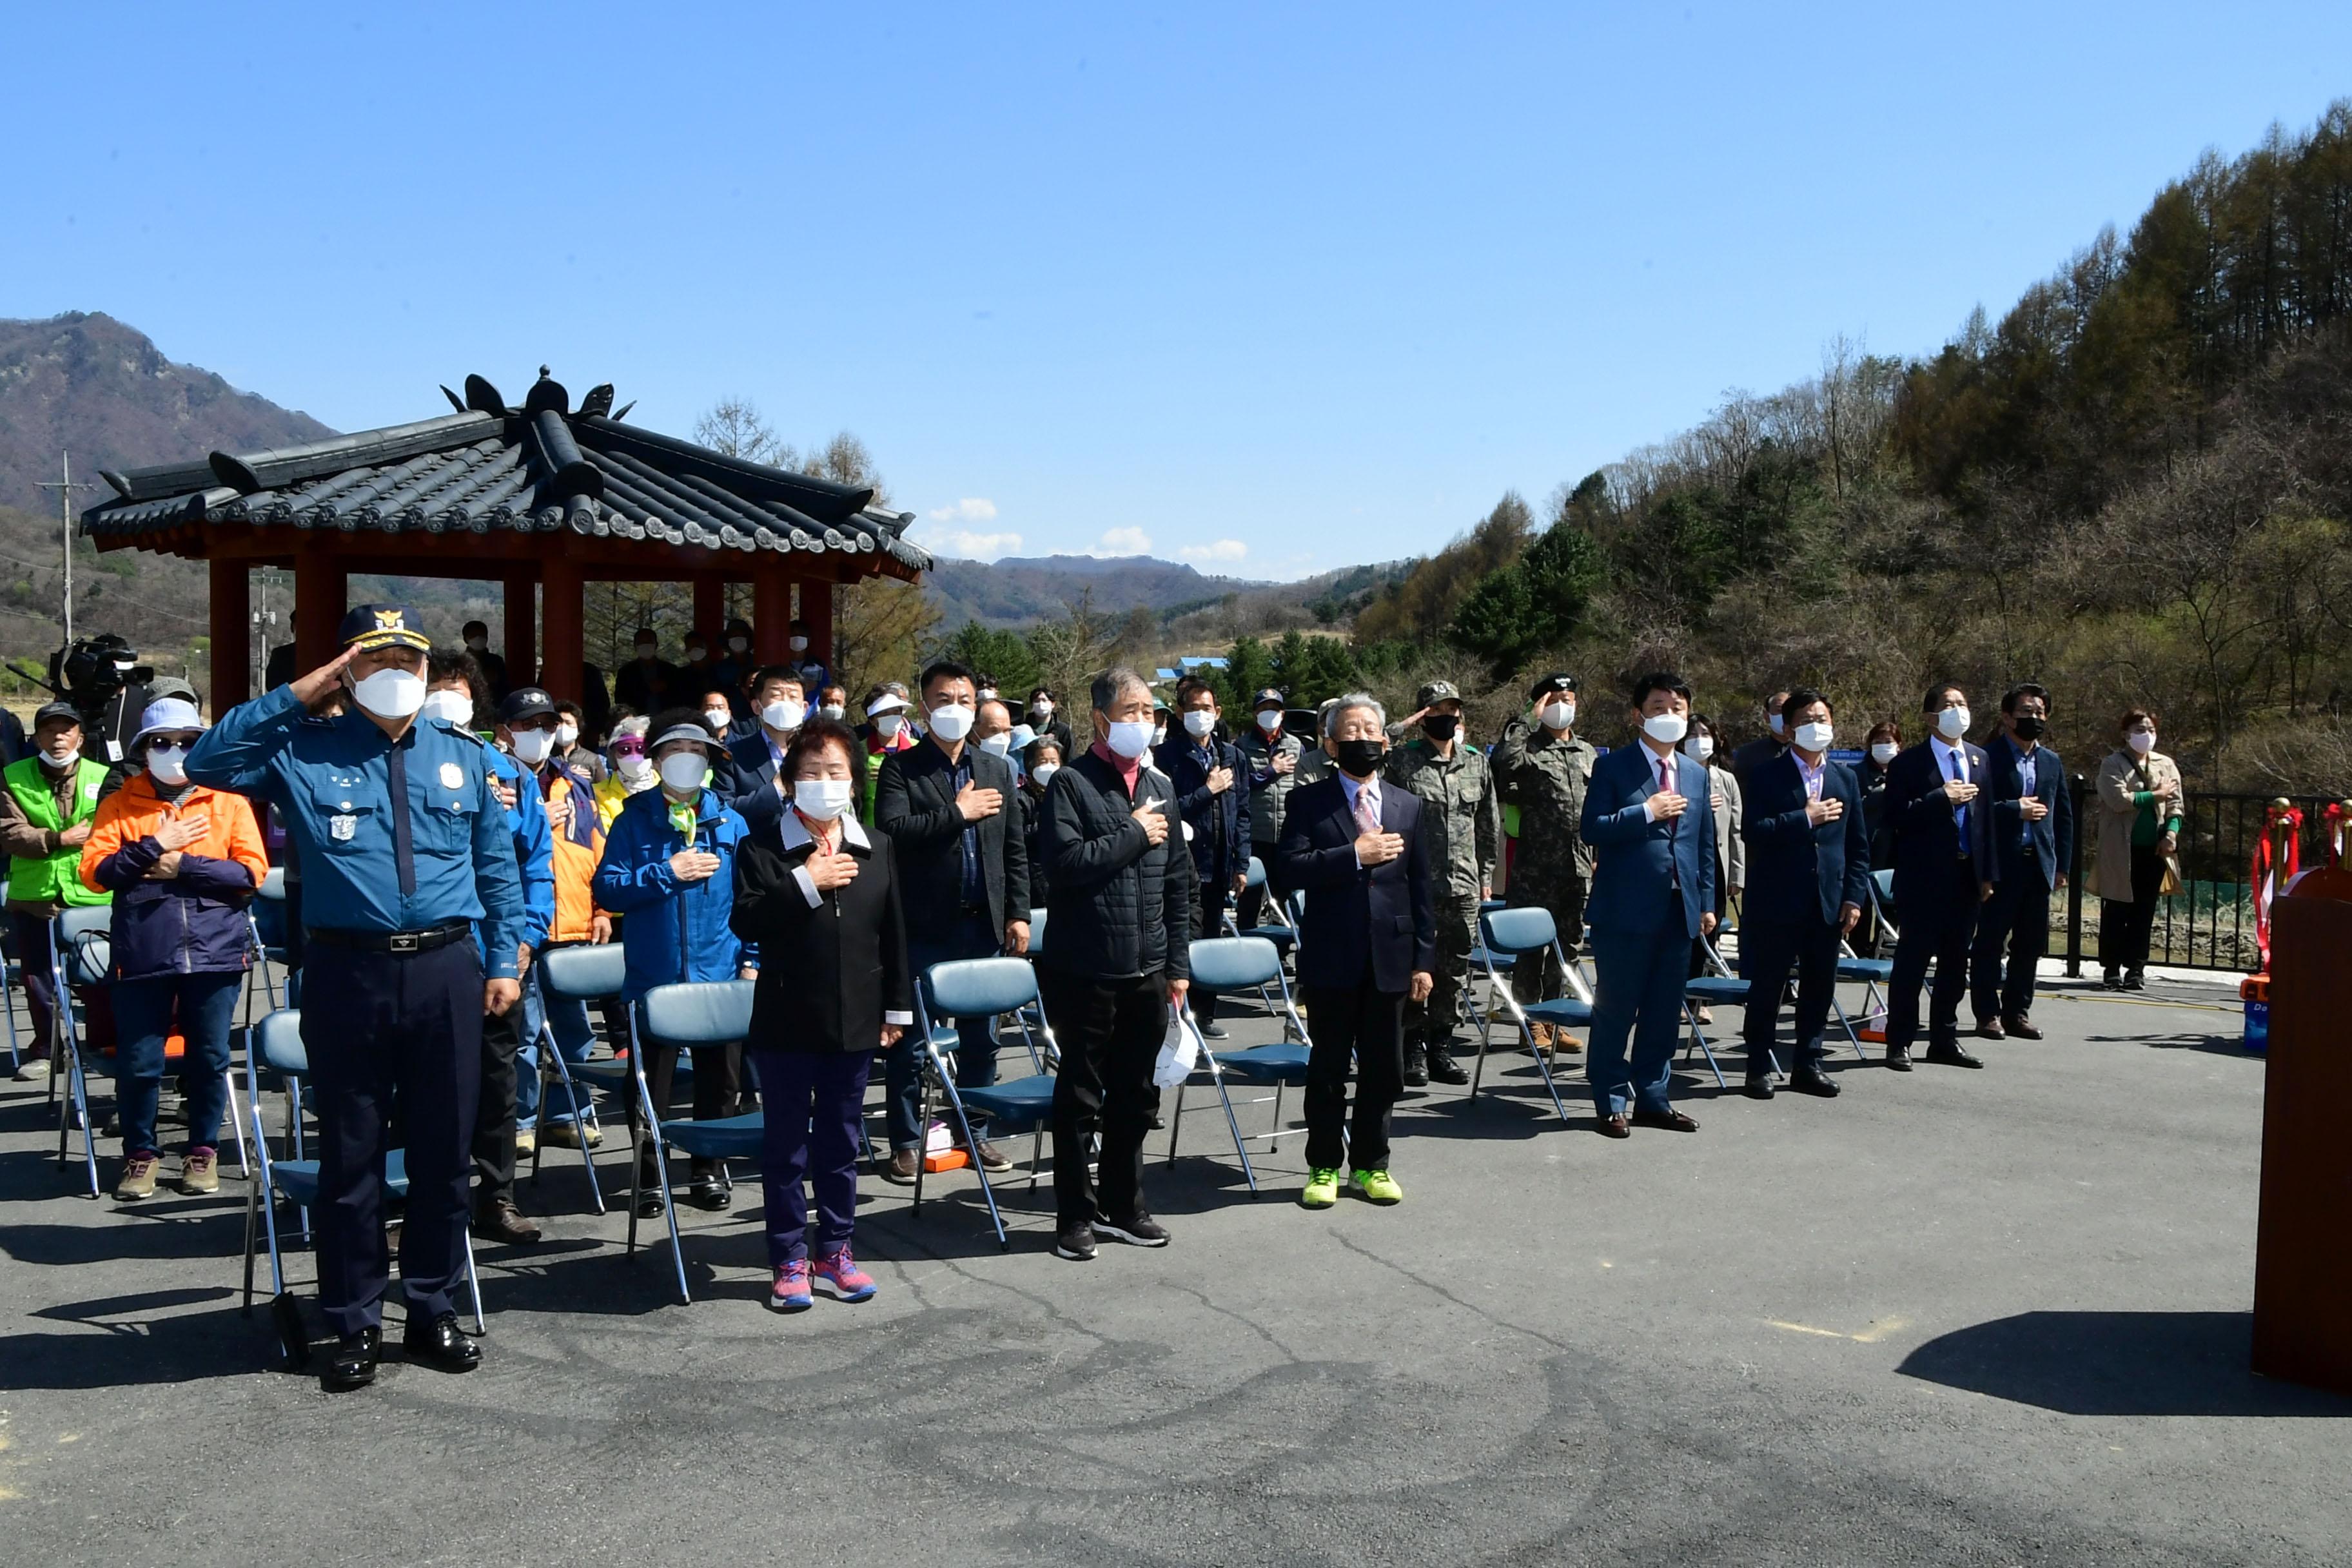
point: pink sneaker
(791, 1292)
(842, 1279)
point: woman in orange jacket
(182, 862)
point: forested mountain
(2132, 487)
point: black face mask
(2030, 728)
(1359, 759)
(1440, 726)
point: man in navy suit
(1369, 940)
(1808, 874)
(1205, 770)
(1652, 891)
(2030, 818)
(778, 706)
(1940, 865)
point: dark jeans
(32, 953)
(1368, 1025)
(2017, 917)
(407, 1025)
(975, 1057)
(2124, 927)
(718, 1084)
(1770, 949)
(1936, 921)
(205, 1006)
(813, 1102)
(1110, 1032)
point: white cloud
(971, 509)
(1219, 550)
(1123, 541)
(965, 542)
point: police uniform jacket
(375, 859)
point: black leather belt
(392, 940)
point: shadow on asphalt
(2212, 1045)
(2116, 1363)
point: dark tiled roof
(542, 469)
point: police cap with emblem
(383, 625)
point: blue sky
(1269, 288)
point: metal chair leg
(474, 1281)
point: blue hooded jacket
(673, 931)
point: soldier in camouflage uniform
(1544, 770)
(1456, 787)
(1270, 758)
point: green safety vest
(57, 879)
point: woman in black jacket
(1039, 764)
(820, 896)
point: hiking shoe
(200, 1173)
(1075, 1241)
(1139, 1229)
(842, 1279)
(1322, 1189)
(1378, 1187)
(790, 1293)
(138, 1178)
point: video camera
(91, 672)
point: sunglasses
(628, 748)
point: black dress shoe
(1899, 1059)
(1814, 1080)
(440, 1345)
(1444, 1068)
(2022, 1027)
(1665, 1120)
(1416, 1068)
(1989, 1029)
(1759, 1088)
(500, 1221)
(710, 1193)
(352, 1364)
(1613, 1127)
(1952, 1056)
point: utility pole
(65, 488)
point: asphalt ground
(1996, 1317)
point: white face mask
(717, 718)
(1270, 719)
(887, 724)
(952, 723)
(62, 762)
(737, 645)
(1665, 728)
(987, 694)
(683, 771)
(389, 693)
(1159, 733)
(169, 764)
(636, 772)
(1815, 737)
(696, 655)
(1129, 738)
(1044, 774)
(2141, 740)
(798, 644)
(453, 706)
(1041, 709)
(1199, 722)
(567, 734)
(998, 746)
(1557, 715)
(645, 650)
(1952, 723)
(824, 799)
(1779, 725)
(531, 746)
(1883, 752)
(831, 711)
(784, 714)
(1699, 746)
(477, 645)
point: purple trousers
(811, 1102)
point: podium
(2302, 1248)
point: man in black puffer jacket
(1115, 959)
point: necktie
(1959, 813)
(403, 845)
(1368, 810)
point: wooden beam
(232, 634)
(321, 595)
(772, 613)
(710, 609)
(816, 609)
(563, 628)
(520, 644)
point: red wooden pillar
(520, 646)
(710, 610)
(563, 617)
(321, 589)
(816, 610)
(231, 628)
(772, 611)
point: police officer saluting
(404, 847)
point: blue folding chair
(12, 973)
(272, 893)
(1282, 1065)
(1492, 964)
(582, 973)
(1718, 988)
(1281, 932)
(985, 988)
(1514, 933)
(80, 953)
(690, 1013)
(277, 1043)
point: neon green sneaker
(1378, 1187)
(1322, 1190)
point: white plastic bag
(1178, 1054)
